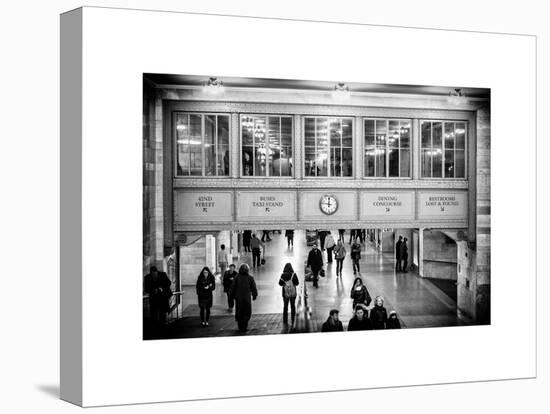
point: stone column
(421, 252)
(415, 139)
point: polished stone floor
(418, 302)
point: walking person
(265, 236)
(205, 285)
(223, 260)
(289, 234)
(332, 324)
(398, 254)
(243, 291)
(378, 314)
(393, 321)
(315, 263)
(322, 237)
(247, 236)
(255, 244)
(289, 281)
(359, 235)
(360, 320)
(359, 293)
(228, 278)
(355, 256)
(329, 244)
(339, 255)
(405, 255)
(351, 235)
(341, 233)
(157, 285)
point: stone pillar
(421, 252)
(466, 279)
(483, 216)
(235, 245)
(416, 149)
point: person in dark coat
(247, 235)
(257, 247)
(315, 263)
(341, 234)
(393, 321)
(228, 278)
(405, 255)
(359, 293)
(351, 235)
(378, 314)
(289, 234)
(359, 235)
(157, 285)
(206, 283)
(398, 254)
(242, 290)
(355, 256)
(332, 324)
(360, 320)
(289, 281)
(322, 236)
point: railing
(175, 302)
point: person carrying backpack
(289, 281)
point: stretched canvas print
(230, 187)
(277, 206)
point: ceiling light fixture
(341, 92)
(213, 86)
(457, 97)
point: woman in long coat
(242, 291)
(205, 285)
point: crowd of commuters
(240, 288)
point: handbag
(322, 273)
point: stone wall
(440, 256)
(153, 232)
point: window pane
(182, 143)
(459, 164)
(309, 130)
(335, 133)
(369, 132)
(369, 161)
(437, 166)
(393, 135)
(380, 162)
(449, 135)
(210, 145)
(449, 163)
(426, 163)
(322, 147)
(260, 149)
(310, 167)
(335, 162)
(394, 162)
(460, 133)
(248, 156)
(347, 162)
(247, 128)
(437, 133)
(405, 132)
(426, 134)
(286, 147)
(347, 132)
(195, 144)
(405, 163)
(381, 133)
(223, 145)
(274, 147)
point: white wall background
(29, 33)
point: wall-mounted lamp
(341, 92)
(213, 86)
(457, 97)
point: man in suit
(398, 254)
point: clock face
(328, 204)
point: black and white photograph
(276, 206)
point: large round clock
(328, 204)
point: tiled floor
(417, 301)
